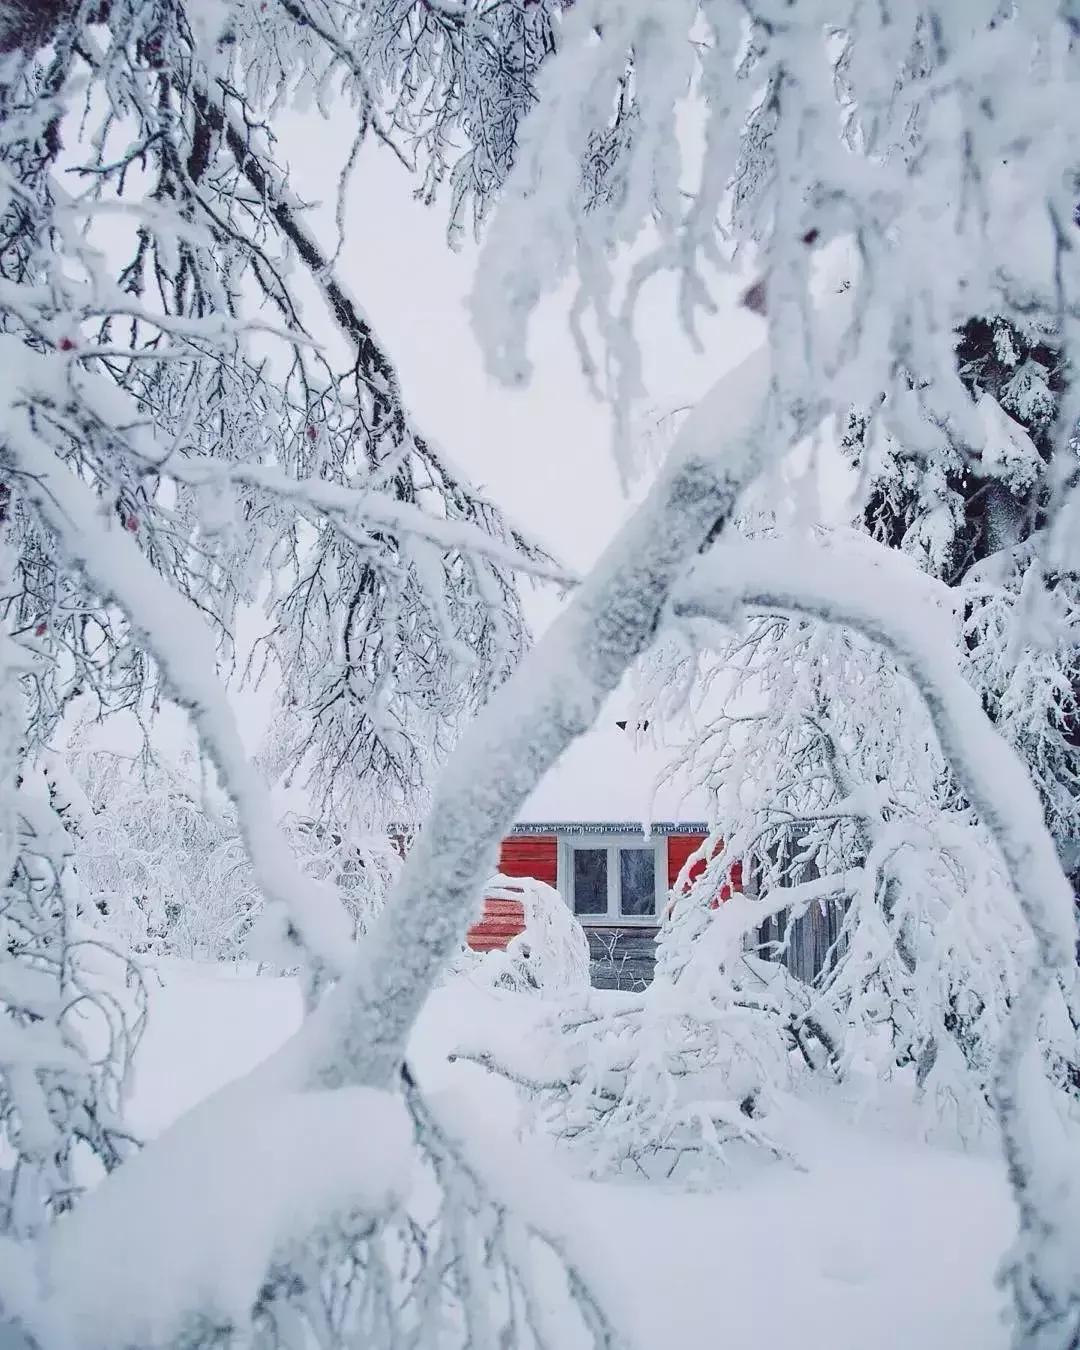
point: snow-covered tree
(198, 416)
(383, 630)
(864, 855)
(66, 1037)
(894, 168)
(162, 866)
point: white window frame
(612, 843)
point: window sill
(607, 921)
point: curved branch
(349, 506)
(877, 592)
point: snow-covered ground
(882, 1242)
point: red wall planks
(501, 921)
(530, 855)
(521, 855)
(679, 848)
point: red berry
(66, 345)
(311, 433)
(131, 524)
(39, 631)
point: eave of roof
(611, 827)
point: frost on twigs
(871, 875)
(66, 1039)
(915, 141)
(164, 867)
(672, 1093)
(512, 1273)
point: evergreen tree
(976, 518)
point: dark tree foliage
(1021, 369)
(975, 521)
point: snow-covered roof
(609, 776)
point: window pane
(637, 881)
(590, 880)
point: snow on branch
(234, 1184)
(367, 510)
(739, 915)
(887, 133)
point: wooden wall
(530, 855)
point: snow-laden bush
(550, 956)
(634, 1088)
(666, 1081)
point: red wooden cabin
(582, 833)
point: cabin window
(637, 881)
(590, 881)
(612, 882)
